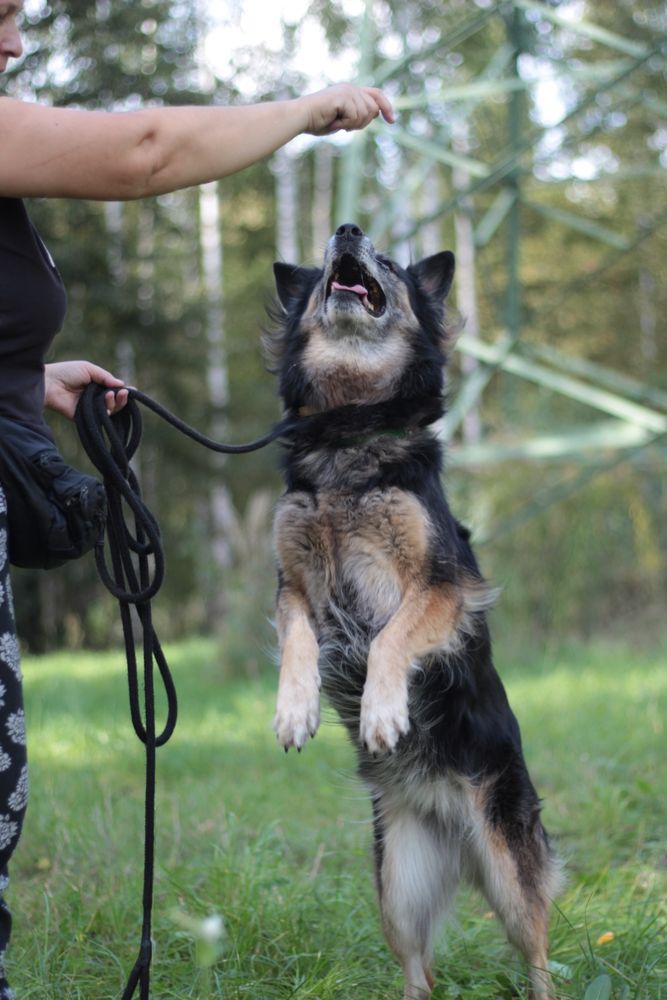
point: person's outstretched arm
(60, 152)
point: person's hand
(344, 106)
(65, 381)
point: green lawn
(279, 845)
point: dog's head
(361, 329)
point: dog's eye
(386, 263)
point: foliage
(138, 299)
(592, 564)
(280, 846)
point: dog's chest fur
(352, 553)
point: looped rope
(134, 578)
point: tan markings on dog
(384, 549)
(370, 353)
(417, 885)
(426, 620)
(371, 545)
(298, 707)
(375, 548)
(353, 370)
(402, 305)
(522, 908)
(314, 306)
(304, 545)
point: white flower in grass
(8, 830)
(3, 502)
(3, 548)
(5, 761)
(9, 652)
(18, 800)
(2, 594)
(3, 692)
(208, 934)
(211, 929)
(15, 726)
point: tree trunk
(285, 170)
(220, 513)
(322, 199)
(465, 281)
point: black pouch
(55, 512)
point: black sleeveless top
(32, 310)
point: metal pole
(514, 122)
(350, 185)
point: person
(117, 156)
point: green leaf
(599, 989)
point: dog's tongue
(357, 289)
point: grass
(279, 845)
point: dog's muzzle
(347, 274)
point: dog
(382, 606)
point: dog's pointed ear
(435, 274)
(291, 281)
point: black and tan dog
(381, 603)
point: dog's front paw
(297, 714)
(384, 716)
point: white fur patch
(297, 712)
(384, 713)
(419, 876)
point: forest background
(171, 293)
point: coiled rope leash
(110, 443)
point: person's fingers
(383, 103)
(355, 111)
(101, 375)
(346, 106)
(371, 102)
(364, 110)
(122, 397)
(115, 401)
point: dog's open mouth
(347, 275)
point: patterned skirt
(13, 759)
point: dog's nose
(349, 231)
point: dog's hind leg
(515, 868)
(417, 873)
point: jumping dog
(381, 603)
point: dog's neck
(357, 424)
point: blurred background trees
(533, 141)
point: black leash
(137, 558)
(134, 578)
